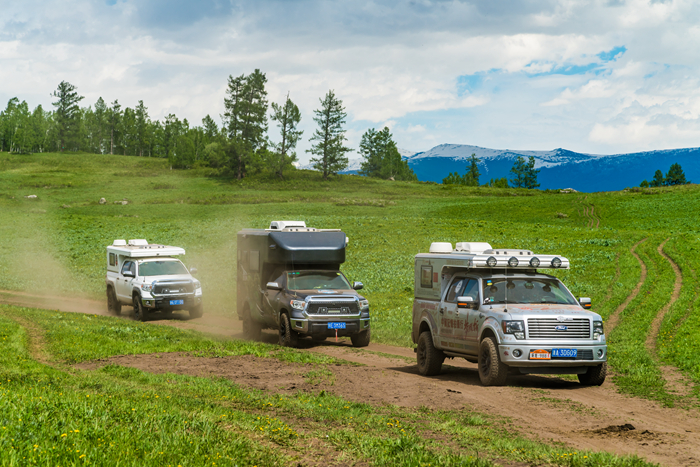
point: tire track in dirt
(590, 217)
(36, 344)
(614, 318)
(677, 383)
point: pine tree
(67, 114)
(675, 175)
(471, 178)
(330, 137)
(287, 117)
(658, 179)
(524, 173)
(382, 157)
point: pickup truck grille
(169, 288)
(551, 328)
(333, 307)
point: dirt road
(548, 408)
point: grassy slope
(54, 248)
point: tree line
(240, 146)
(522, 175)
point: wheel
(196, 312)
(595, 375)
(288, 337)
(429, 358)
(361, 339)
(492, 371)
(251, 328)
(140, 312)
(113, 305)
(319, 338)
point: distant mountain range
(559, 168)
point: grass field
(55, 244)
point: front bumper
(587, 354)
(319, 326)
(163, 303)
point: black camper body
(265, 255)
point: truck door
(123, 283)
(474, 317)
(451, 319)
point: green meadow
(54, 244)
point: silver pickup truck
(494, 308)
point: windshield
(301, 280)
(526, 290)
(162, 268)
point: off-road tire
(429, 358)
(361, 339)
(251, 328)
(196, 312)
(319, 338)
(140, 312)
(113, 305)
(594, 375)
(288, 336)
(492, 372)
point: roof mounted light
(513, 262)
(556, 263)
(534, 262)
(491, 262)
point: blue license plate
(336, 325)
(564, 353)
(177, 302)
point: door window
(455, 290)
(471, 289)
(129, 266)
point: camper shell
(498, 308)
(150, 278)
(272, 265)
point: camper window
(112, 259)
(426, 277)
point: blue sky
(590, 76)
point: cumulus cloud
(592, 76)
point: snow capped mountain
(559, 168)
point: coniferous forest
(238, 146)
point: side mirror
(273, 286)
(193, 270)
(357, 285)
(585, 302)
(128, 274)
(465, 302)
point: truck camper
(497, 308)
(289, 279)
(150, 278)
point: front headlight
(297, 304)
(517, 328)
(364, 304)
(147, 287)
(197, 284)
(597, 329)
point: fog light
(491, 262)
(513, 262)
(535, 262)
(556, 263)
(517, 353)
(600, 353)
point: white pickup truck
(150, 278)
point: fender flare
(491, 325)
(430, 321)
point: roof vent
(119, 243)
(281, 225)
(474, 248)
(138, 242)
(441, 247)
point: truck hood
(168, 278)
(545, 310)
(326, 293)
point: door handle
(481, 315)
(442, 310)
